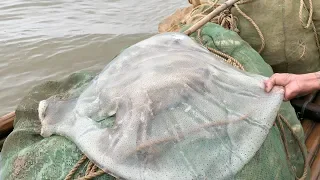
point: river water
(43, 40)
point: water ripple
(47, 40)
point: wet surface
(48, 40)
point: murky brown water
(47, 40)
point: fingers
(293, 84)
(268, 85)
(277, 80)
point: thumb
(292, 90)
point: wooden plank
(312, 144)
(6, 124)
(315, 166)
(308, 126)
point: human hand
(294, 84)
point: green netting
(27, 155)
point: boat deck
(312, 133)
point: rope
(195, 3)
(316, 36)
(303, 51)
(310, 21)
(263, 43)
(285, 140)
(303, 5)
(89, 168)
(225, 18)
(90, 172)
(212, 5)
(75, 168)
(94, 169)
(286, 148)
(244, 2)
(92, 175)
(210, 16)
(304, 153)
(229, 59)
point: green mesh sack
(27, 155)
(289, 47)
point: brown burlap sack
(316, 13)
(192, 14)
(284, 41)
(174, 22)
(289, 46)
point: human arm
(294, 84)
